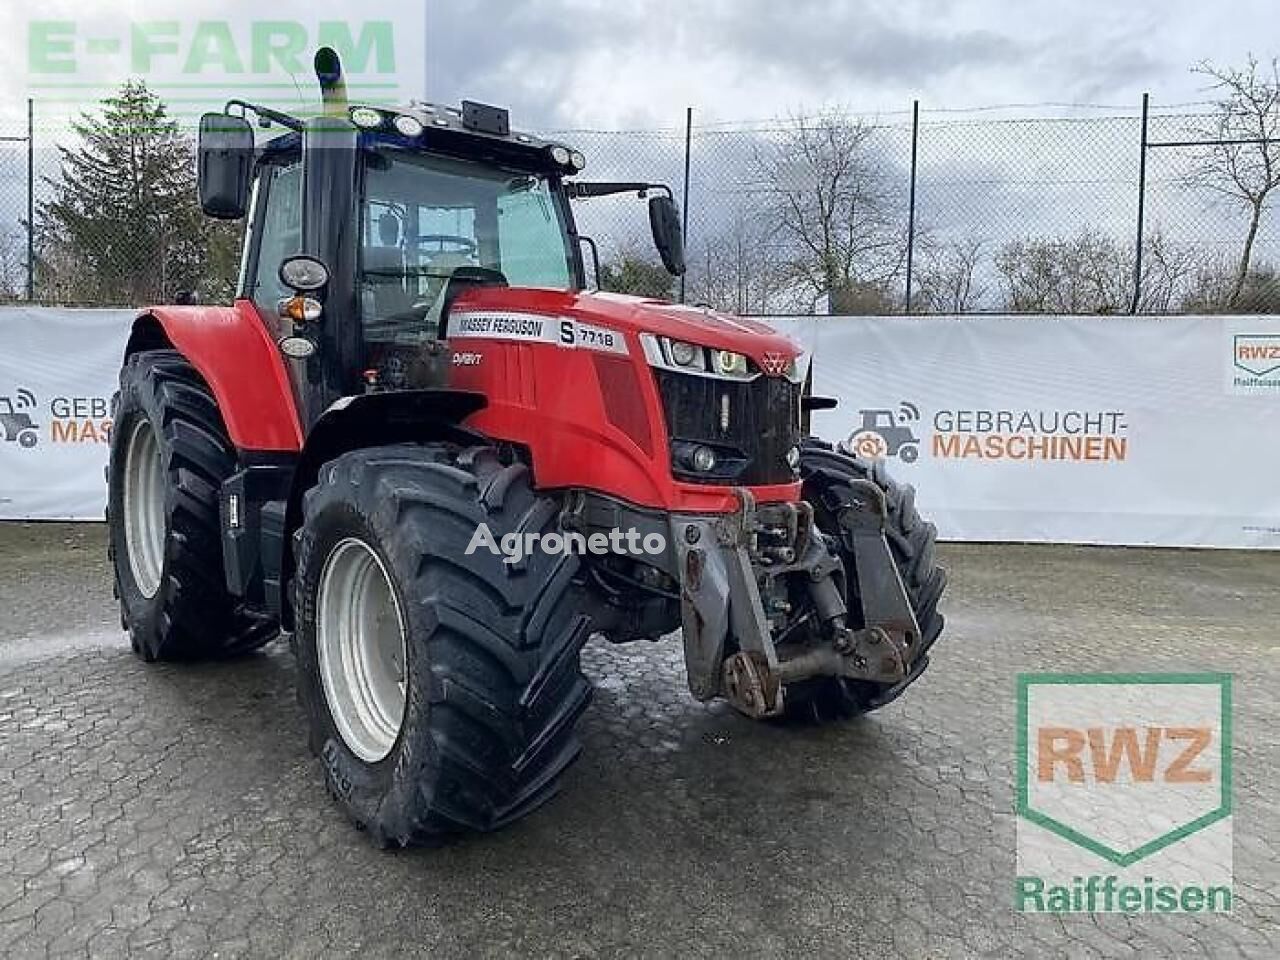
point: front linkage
(763, 600)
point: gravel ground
(175, 811)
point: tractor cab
(385, 218)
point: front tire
(826, 474)
(170, 454)
(484, 653)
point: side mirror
(668, 234)
(225, 165)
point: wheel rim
(144, 515)
(360, 639)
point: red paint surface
(234, 353)
(549, 398)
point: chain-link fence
(925, 211)
(17, 190)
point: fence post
(684, 203)
(911, 201)
(1142, 204)
(31, 200)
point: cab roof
(474, 131)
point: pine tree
(123, 225)
(632, 273)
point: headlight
(366, 118)
(730, 364)
(684, 357)
(408, 126)
(561, 155)
(296, 348)
(303, 274)
(703, 459)
(686, 354)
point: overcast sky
(607, 62)
(614, 63)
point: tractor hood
(635, 315)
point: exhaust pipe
(333, 85)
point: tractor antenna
(333, 86)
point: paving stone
(174, 810)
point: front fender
(234, 353)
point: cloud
(558, 59)
(824, 42)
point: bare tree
(834, 210)
(1168, 270)
(734, 270)
(948, 277)
(1243, 164)
(1086, 273)
(1212, 279)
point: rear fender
(370, 420)
(234, 353)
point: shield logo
(1256, 353)
(775, 364)
(1123, 766)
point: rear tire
(826, 474)
(491, 686)
(169, 455)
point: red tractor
(421, 448)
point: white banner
(1078, 430)
(1109, 430)
(58, 370)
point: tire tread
(912, 540)
(198, 618)
(501, 640)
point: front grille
(763, 424)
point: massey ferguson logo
(775, 364)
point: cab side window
(281, 233)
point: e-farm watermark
(196, 63)
(1124, 793)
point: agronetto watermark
(515, 546)
(1124, 793)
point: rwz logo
(1256, 353)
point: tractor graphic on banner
(883, 434)
(16, 425)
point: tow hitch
(740, 573)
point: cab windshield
(426, 218)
